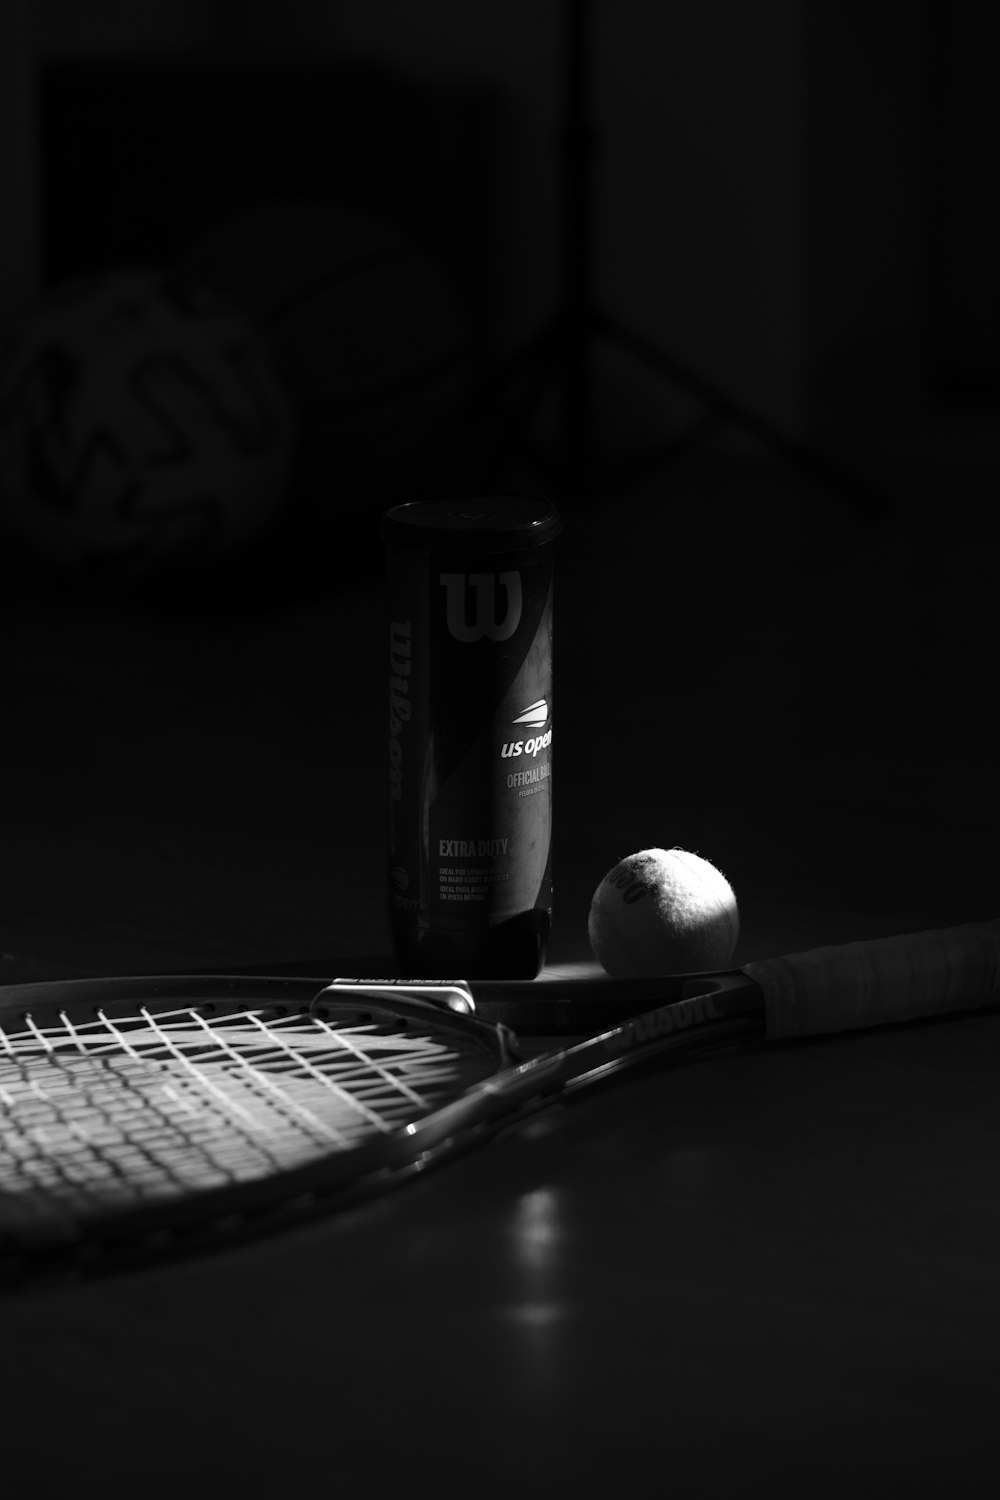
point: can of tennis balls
(470, 735)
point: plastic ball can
(469, 595)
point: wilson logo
(400, 705)
(631, 887)
(662, 1023)
(486, 622)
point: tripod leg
(806, 457)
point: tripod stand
(560, 354)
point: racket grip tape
(854, 985)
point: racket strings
(119, 1112)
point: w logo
(485, 622)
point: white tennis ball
(663, 911)
(144, 432)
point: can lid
(487, 523)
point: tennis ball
(663, 911)
(368, 334)
(144, 431)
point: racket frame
(518, 1087)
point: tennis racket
(144, 1117)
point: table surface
(776, 1269)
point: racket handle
(874, 983)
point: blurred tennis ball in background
(369, 336)
(663, 911)
(143, 429)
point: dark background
(789, 623)
(784, 1266)
(800, 201)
